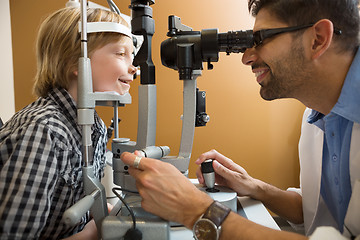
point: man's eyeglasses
(261, 35)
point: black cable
(126, 205)
(352, 237)
(126, 190)
(132, 233)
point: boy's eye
(121, 54)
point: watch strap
(217, 213)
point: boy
(40, 146)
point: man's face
(112, 68)
(278, 63)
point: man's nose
(249, 56)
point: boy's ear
(322, 36)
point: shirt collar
(348, 104)
(314, 116)
(67, 104)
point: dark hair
(344, 14)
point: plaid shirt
(40, 168)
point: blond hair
(58, 46)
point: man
(307, 50)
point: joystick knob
(209, 175)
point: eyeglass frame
(268, 33)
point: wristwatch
(208, 226)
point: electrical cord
(125, 204)
(133, 233)
(125, 190)
(352, 237)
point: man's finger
(134, 172)
(215, 155)
(199, 176)
(221, 170)
(132, 160)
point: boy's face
(112, 68)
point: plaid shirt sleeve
(29, 176)
(40, 169)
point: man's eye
(120, 54)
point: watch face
(205, 229)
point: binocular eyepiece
(186, 50)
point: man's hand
(229, 174)
(166, 192)
(284, 203)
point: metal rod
(116, 120)
(83, 28)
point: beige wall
(261, 136)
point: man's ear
(322, 37)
